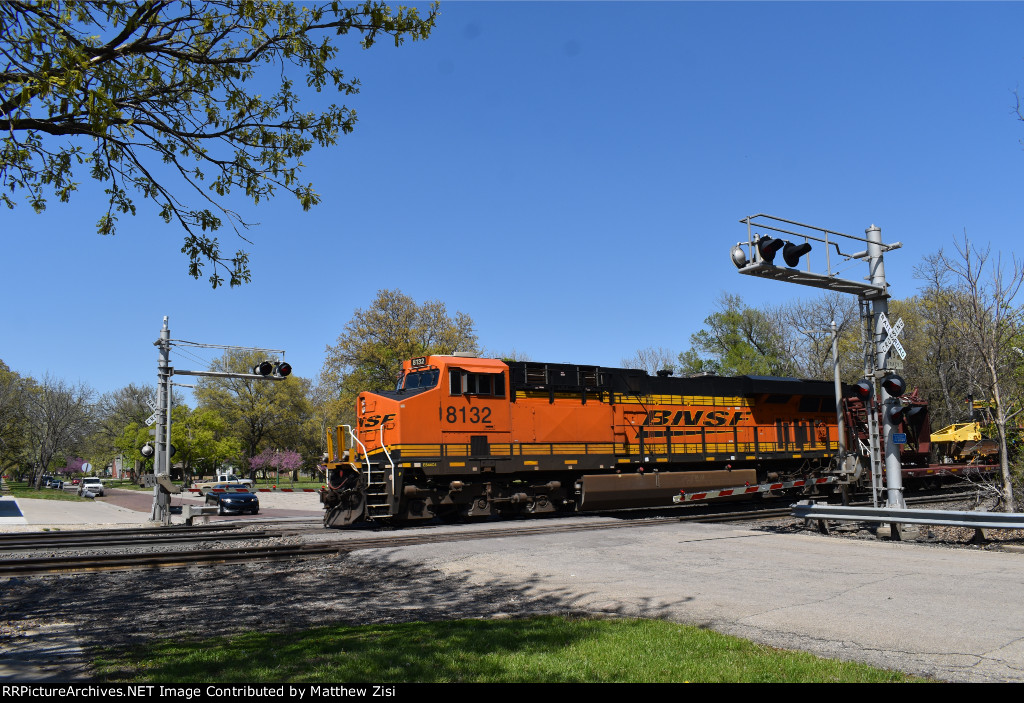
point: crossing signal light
(792, 253)
(767, 247)
(273, 369)
(863, 389)
(897, 412)
(148, 450)
(739, 257)
(894, 385)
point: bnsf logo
(715, 418)
(374, 420)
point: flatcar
(477, 437)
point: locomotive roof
(533, 375)
(536, 375)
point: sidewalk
(127, 508)
(39, 512)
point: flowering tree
(287, 461)
(74, 466)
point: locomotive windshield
(418, 379)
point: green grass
(541, 649)
(23, 491)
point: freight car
(475, 437)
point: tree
(201, 439)
(59, 419)
(258, 412)
(805, 326)
(738, 340)
(652, 360)
(15, 453)
(945, 367)
(287, 461)
(370, 350)
(114, 411)
(155, 97)
(987, 320)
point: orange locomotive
(478, 437)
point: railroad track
(55, 541)
(344, 543)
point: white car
(92, 485)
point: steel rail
(112, 540)
(105, 562)
(222, 527)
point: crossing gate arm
(684, 497)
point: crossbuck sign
(892, 333)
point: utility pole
(880, 310)
(161, 459)
(264, 371)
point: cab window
(419, 379)
(465, 383)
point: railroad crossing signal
(273, 369)
(892, 332)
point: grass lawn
(22, 491)
(541, 649)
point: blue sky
(569, 174)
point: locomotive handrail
(361, 445)
(390, 460)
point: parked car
(92, 485)
(229, 498)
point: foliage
(807, 335)
(738, 340)
(15, 451)
(987, 321)
(115, 411)
(937, 360)
(73, 466)
(369, 352)
(59, 419)
(259, 413)
(281, 462)
(153, 98)
(201, 439)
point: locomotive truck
(476, 437)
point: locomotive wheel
(349, 508)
